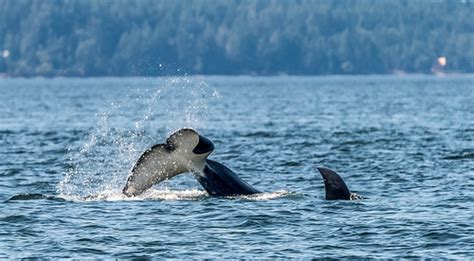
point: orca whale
(218, 180)
(185, 151)
(335, 187)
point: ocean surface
(404, 143)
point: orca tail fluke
(334, 185)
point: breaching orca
(335, 186)
(185, 151)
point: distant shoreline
(397, 75)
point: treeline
(149, 37)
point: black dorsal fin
(334, 185)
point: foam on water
(110, 151)
(162, 194)
(266, 195)
(151, 194)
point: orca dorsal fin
(334, 185)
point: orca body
(335, 187)
(218, 180)
(184, 151)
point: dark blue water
(406, 144)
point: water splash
(167, 194)
(266, 195)
(144, 116)
(152, 194)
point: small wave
(291, 164)
(467, 154)
(7, 132)
(16, 218)
(355, 142)
(32, 196)
(257, 134)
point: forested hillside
(148, 37)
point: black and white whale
(335, 187)
(185, 151)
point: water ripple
(405, 144)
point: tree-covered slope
(120, 37)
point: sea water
(404, 143)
